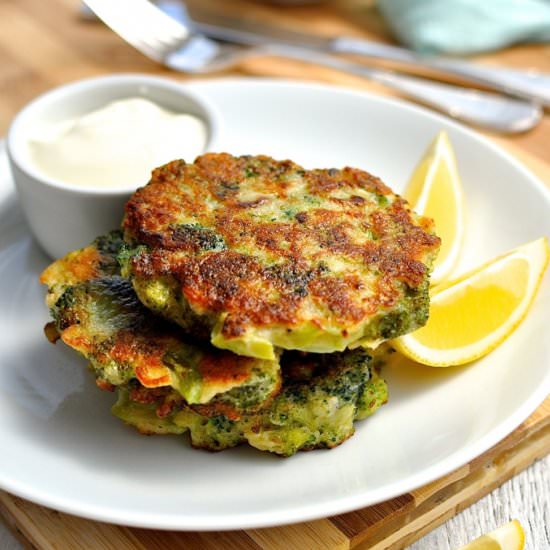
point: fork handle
(532, 86)
(492, 111)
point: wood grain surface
(44, 44)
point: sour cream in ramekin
(116, 145)
(80, 191)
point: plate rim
(338, 505)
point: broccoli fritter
(97, 313)
(321, 397)
(257, 253)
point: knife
(530, 85)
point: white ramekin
(65, 217)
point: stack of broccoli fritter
(227, 305)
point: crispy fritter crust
(265, 243)
(322, 396)
(97, 313)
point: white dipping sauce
(117, 146)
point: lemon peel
(472, 315)
(435, 190)
(509, 536)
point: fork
(161, 38)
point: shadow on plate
(409, 380)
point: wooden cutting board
(392, 524)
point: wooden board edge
(38, 527)
(464, 493)
(368, 522)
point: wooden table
(44, 44)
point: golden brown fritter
(97, 313)
(167, 385)
(321, 398)
(264, 253)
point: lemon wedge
(435, 191)
(472, 315)
(507, 537)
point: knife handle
(531, 85)
(493, 111)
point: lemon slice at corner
(474, 314)
(507, 537)
(435, 191)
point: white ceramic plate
(61, 447)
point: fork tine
(141, 24)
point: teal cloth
(466, 26)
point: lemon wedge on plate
(472, 315)
(435, 191)
(507, 537)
